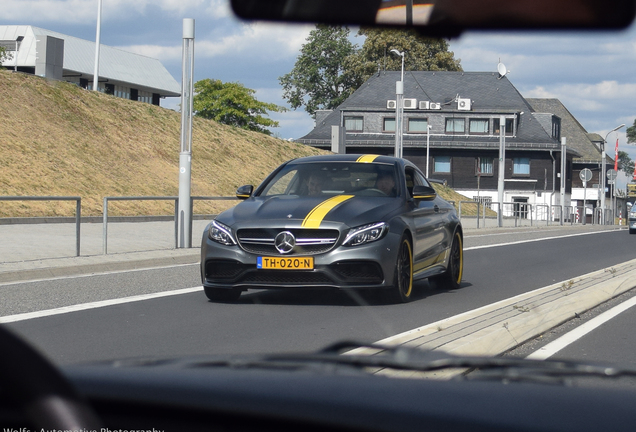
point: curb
(499, 327)
(65, 267)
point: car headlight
(632, 214)
(365, 234)
(221, 233)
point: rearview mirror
(447, 17)
(244, 192)
(421, 192)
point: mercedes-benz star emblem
(285, 242)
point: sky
(593, 74)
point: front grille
(308, 241)
(288, 278)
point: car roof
(368, 158)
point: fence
(78, 210)
(156, 198)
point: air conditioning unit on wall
(391, 104)
(463, 104)
(410, 103)
(435, 106)
(424, 105)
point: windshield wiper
(404, 358)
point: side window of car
(410, 180)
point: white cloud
(82, 11)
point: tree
(421, 54)
(317, 80)
(233, 104)
(625, 163)
(4, 55)
(631, 133)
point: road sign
(585, 175)
(611, 174)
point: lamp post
(184, 232)
(399, 107)
(603, 168)
(428, 141)
(97, 42)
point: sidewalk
(40, 251)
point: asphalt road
(274, 321)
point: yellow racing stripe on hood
(367, 158)
(318, 213)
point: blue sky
(593, 74)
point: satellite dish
(501, 68)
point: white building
(57, 56)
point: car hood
(292, 210)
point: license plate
(285, 263)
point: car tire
(452, 277)
(632, 231)
(402, 289)
(222, 294)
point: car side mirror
(421, 192)
(244, 192)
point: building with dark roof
(464, 111)
(588, 146)
(66, 58)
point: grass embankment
(59, 139)
(467, 209)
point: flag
(634, 172)
(616, 156)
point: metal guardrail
(156, 198)
(78, 210)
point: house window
(484, 166)
(388, 125)
(418, 125)
(556, 128)
(510, 125)
(478, 126)
(455, 125)
(442, 164)
(353, 124)
(521, 166)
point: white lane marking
(536, 240)
(94, 305)
(555, 346)
(96, 274)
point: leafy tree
(233, 104)
(317, 80)
(631, 133)
(625, 163)
(421, 54)
(3, 55)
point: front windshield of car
(329, 178)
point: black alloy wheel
(403, 279)
(452, 277)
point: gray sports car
(340, 221)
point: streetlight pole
(97, 42)
(502, 167)
(399, 108)
(184, 232)
(603, 174)
(428, 141)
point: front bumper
(367, 266)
